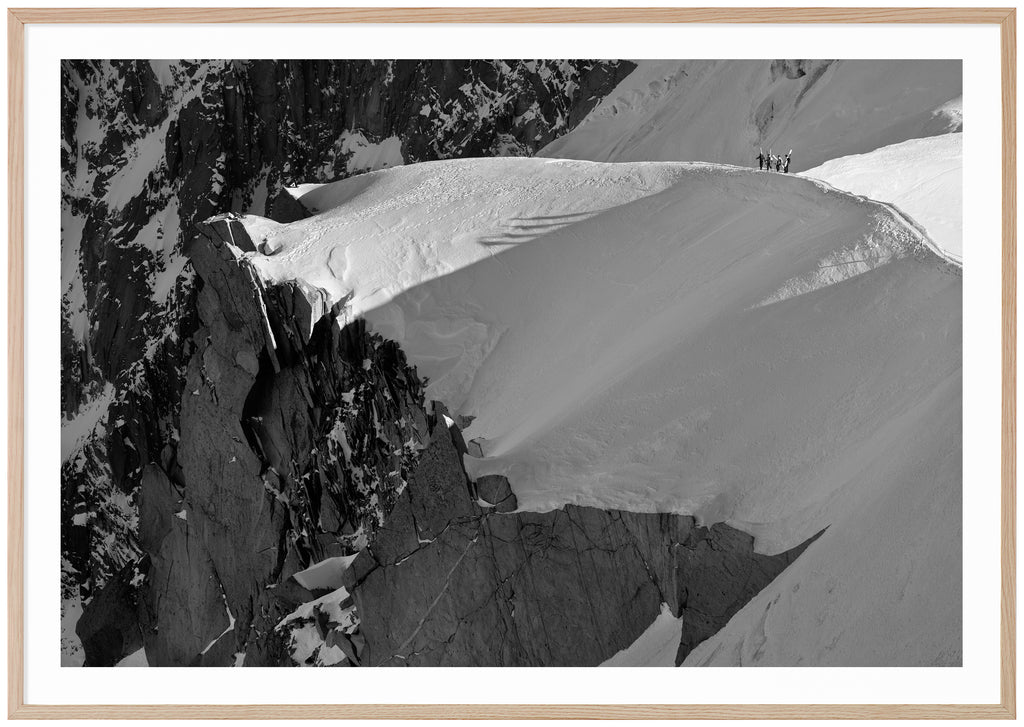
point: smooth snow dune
(922, 177)
(725, 110)
(760, 349)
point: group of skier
(777, 161)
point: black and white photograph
(474, 362)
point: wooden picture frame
(17, 19)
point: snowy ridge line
(718, 110)
(259, 226)
(409, 278)
(909, 222)
(399, 269)
(922, 178)
(906, 220)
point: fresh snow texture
(921, 177)
(725, 110)
(759, 349)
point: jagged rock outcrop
(150, 149)
(495, 491)
(447, 582)
(297, 433)
(109, 628)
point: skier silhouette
(760, 158)
(778, 163)
(785, 167)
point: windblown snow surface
(724, 110)
(759, 349)
(921, 177)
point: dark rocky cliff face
(297, 433)
(151, 149)
(449, 581)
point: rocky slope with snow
(759, 351)
(453, 581)
(682, 401)
(301, 444)
(152, 148)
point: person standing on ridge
(760, 158)
(770, 160)
(785, 167)
(778, 163)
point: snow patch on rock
(77, 429)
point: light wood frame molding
(18, 18)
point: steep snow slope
(922, 177)
(724, 110)
(752, 348)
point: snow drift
(724, 110)
(756, 349)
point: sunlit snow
(724, 110)
(683, 337)
(921, 177)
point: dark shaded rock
(495, 490)
(291, 594)
(208, 138)
(178, 623)
(446, 583)
(291, 450)
(285, 208)
(109, 626)
(227, 228)
(269, 247)
(143, 100)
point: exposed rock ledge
(297, 433)
(449, 582)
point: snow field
(724, 110)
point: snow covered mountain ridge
(725, 110)
(759, 353)
(150, 149)
(655, 337)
